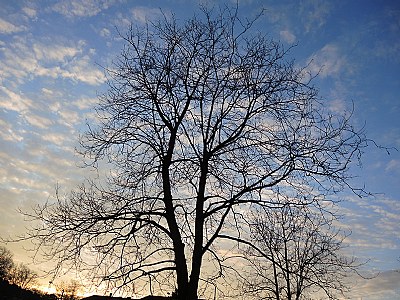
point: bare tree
(68, 290)
(6, 262)
(297, 252)
(18, 274)
(22, 276)
(202, 121)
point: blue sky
(50, 76)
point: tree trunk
(179, 247)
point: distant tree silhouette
(297, 252)
(22, 276)
(6, 262)
(17, 274)
(203, 121)
(17, 279)
(68, 290)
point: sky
(52, 55)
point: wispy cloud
(374, 222)
(36, 165)
(384, 286)
(314, 13)
(85, 103)
(8, 134)
(143, 14)
(26, 108)
(54, 60)
(58, 139)
(88, 8)
(30, 12)
(287, 36)
(38, 121)
(47, 91)
(393, 165)
(69, 118)
(104, 32)
(387, 47)
(337, 105)
(8, 28)
(83, 70)
(13, 101)
(328, 61)
(57, 53)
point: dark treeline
(9, 291)
(17, 280)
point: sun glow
(47, 289)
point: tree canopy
(203, 121)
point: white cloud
(69, 117)
(105, 32)
(287, 36)
(23, 61)
(55, 106)
(85, 103)
(393, 165)
(144, 14)
(82, 70)
(383, 286)
(55, 138)
(337, 106)
(57, 53)
(121, 21)
(36, 165)
(328, 62)
(7, 27)
(24, 107)
(47, 91)
(38, 121)
(14, 101)
(374, 222)
(314, 13)
(20, 174)
(87, 8)
(8, 134)
(30, 12)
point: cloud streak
(53, 60)
(287, 36)
(384, 286)
(328, 62)
(8, 28)
(314, 14)
(76, 8)
(374, 223)
(143, 14)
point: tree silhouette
(6, 262)
(202, 121)
(68, 290)
(297, 252)
(22, 276)
(12, 273)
